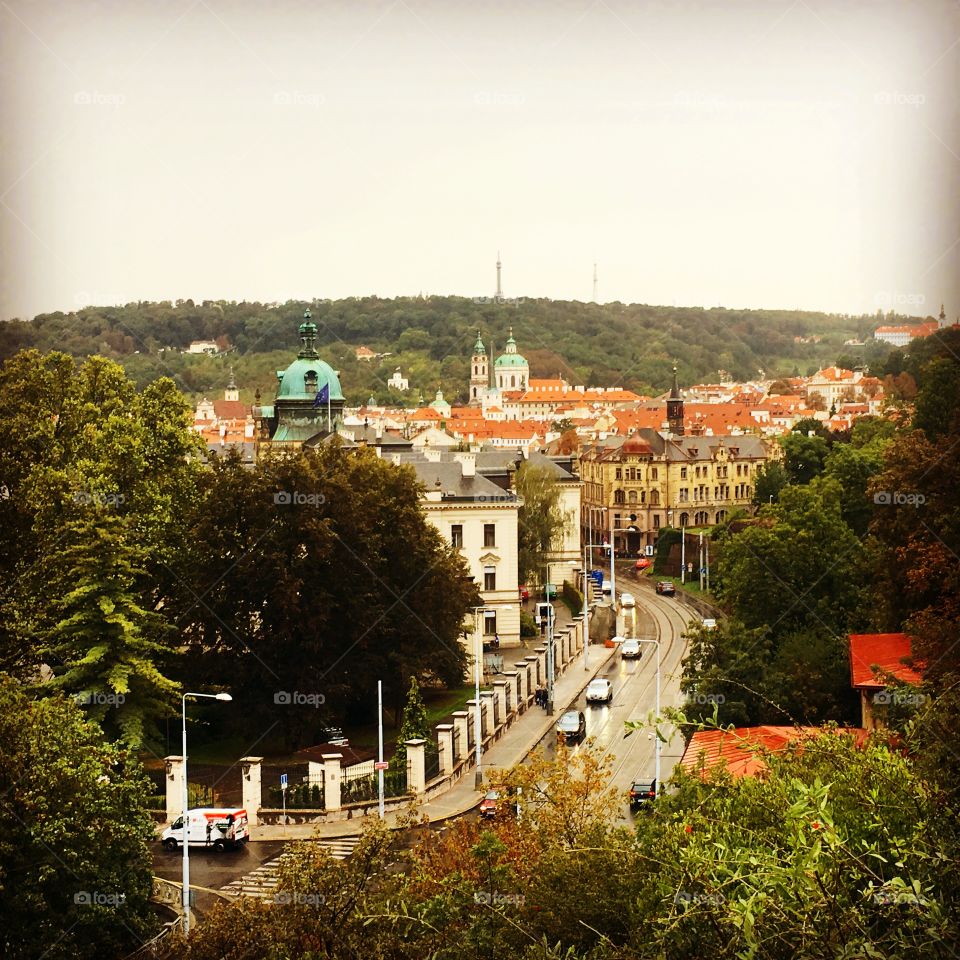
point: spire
(675, 416)
(231, 385)
(478, 347)
(308, 338)
(675, 389)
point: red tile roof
(739, 748)
(884, 650)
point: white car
(599, 691)
(630, 649)
(710, 624)
(627, 600)
(605, 587)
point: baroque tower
(479, 372)
(675, 408)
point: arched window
(684, 519)
(643, 496)
(721, 516)
(632, 496)
(618, 496)
(700, 518)
(654, 498)
(513, 380)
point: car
(643, 563)
(630, 649)
(666, 588)
(572, 726)
(524, 592)
(606, 587)
(642, 792)
(709, 624)
(627, 600)
(490, 804)
(334, 736)
(599, 690)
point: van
(213, 827)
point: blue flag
(323, 395)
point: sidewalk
(508, 751)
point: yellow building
(633, 486)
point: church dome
(305, 377)
(510, 357)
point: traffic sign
(381, 765)
(283, 781)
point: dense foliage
(633, 345)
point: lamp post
(186, 818)
(657, 748)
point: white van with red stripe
(212, 827)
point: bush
(528, 626)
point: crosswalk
(261, 884)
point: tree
(102, 645)
(804, 456)
(540, 522)
(75, 863)
(414, 726)
(852, 468)
(771, 477)
(938, 400)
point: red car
(489, 804)
(524, 592)
(643, 563)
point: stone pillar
(541, 653)
(486, 699)
(416, 767)
(461, 721)
(174, 787)
(533, 662)
(578, 636)
(513, 687)
(500, 695)
(331, 780)
(445, 747)
(250, 770)
(523, 682)
(475, 708)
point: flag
(323, 396)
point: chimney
(468, 462)
(432, 454)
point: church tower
(675, 408)
(479, 374)
(232, 392)
(942, 319)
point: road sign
(283, 781)
(381, 765)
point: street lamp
(656, 642)
(185, 836)
(478, 658)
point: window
(618, 474)
(653, 473)
(654, 498)
(456, 535)
(618, 497)
(631, 496)
(656, 521)
(489, 578)
(683, 473)
(489, 534)
(489, 623)
(684, 519)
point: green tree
(102, 645)
(771, 477)
(540, 522)
(415, 724)
(75, 863)
(852, 468)
(804, 456)
(938, 400)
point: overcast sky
(797, 154)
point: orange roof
(884, 650)
(738, 748)
(231, 409)
(835, 373)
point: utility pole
(701, 561)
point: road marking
(261, 884)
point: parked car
(490, 804)
(599, 691)
(642, 792)
(666, 588)
(572, 726)
(630, 649)
(606, 587)
(332, 735)
(627, 600)
(524, 592)
(709, 623)
(643, 564)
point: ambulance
(212, 827)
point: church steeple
(479, 374)
(231, 393)
(308, 338)
(675, 407)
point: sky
(781, 154)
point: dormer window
(310, 381)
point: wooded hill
(430, 339)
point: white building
(398, 381)
(203, 346)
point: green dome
(305, 377)
(511, 360)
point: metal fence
(308, 794)
(431, 762)
(364, 787)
